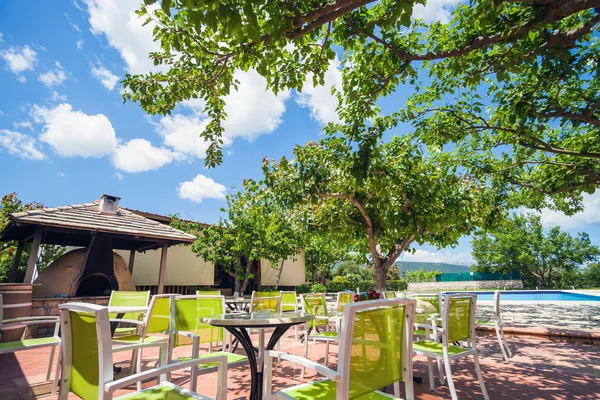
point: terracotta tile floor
(539, 369)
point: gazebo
(99, 227)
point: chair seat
(491, 323)
(326, 390)
(129, 339)
(164, 391)
(232, 358)
(9, 347)
(122, 331)
(427, 346)
(328, 335)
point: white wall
(294, 272)
(183, 267)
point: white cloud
(1, 37)
(116, 19)
(23, 124)
(20, 59)
(54, 77)
(589, 216)
(79, 44)
(138, 155)
(441, 256)
(20, 145)
(73, 25)
(319, 100)
(182, 134)
(58, 97)
(60, 174)
(107, 78)
(119, 176)
(201, 187)
(435, 10)
(74, 133)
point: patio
(539, 369)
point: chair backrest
(497, 305)
(343, 298)
(388, 294)
(265, 301)
(128, 298)
(186, 315)
(375, 346)
(314, 303)
(158, 317)
(208, 292)
(458, 318)
(86, 350)
(288, 301)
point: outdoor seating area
(194, 346)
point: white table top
(238, 300)
(258, 319)
(127, 309)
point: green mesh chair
(458, 325)
(388, 294)
(186, 329)
(87, 366)
(127, 298)
(29, 344)
(315, 303)
(343, 298)
(265, 301)
(375, 352)
(208, 292)
(496, 322)
(289, 303)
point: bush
(397, 285)
(318, 288)
(363, 286)
(304, 288)
(339, 285)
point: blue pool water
(536, 295)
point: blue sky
(66, 137)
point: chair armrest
(32, 318)
(154, 372)
(162, 345)
(181, 333)
(425, 326)
(128, 321)
(24, 321)
(321, 369)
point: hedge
(342, 285)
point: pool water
(536, 295)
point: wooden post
(15, 267)
(35, 248)
(131, 261)
(163, 269)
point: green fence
(477, 276)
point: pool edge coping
(554, 334)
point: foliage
(546, 258)
(421, 275)
(371, 294)
(590, 276)
(256, 228)
(304, 288)
(322, 253)
(340, 285)
(513, 85)
(318, 288)
(397, 285)
(11, 204)
(383, 201)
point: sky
(66, 137)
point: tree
(383, 201)
(512, 83)
(256, 228)
(322, 253)
(11, 204)
(544, 257)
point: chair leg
(305, 355)
(133, 363)
(451, 387)
(441, 371)
(57, 374)
(138, 367)
(50, 363)
(326, 351)
(431, 376)
(502, 341)
(480, 376)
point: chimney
(108, 204)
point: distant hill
(430, 266)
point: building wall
(183, 267)
(294, 271)
(465, 285)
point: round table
(237, 325)
(238, 304)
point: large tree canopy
(512, 84)
(384, 201)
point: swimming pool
(535, 295)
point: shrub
(304, 288)
(339, 285)
(318, 288)
(397, 285)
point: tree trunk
(247, 273)
(380, 277)
(238, 285)
(279, 275)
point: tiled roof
(87, 217)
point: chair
(265, 302)
(496, 322)
(289, 303)
(127, 298)
(30, 344)
(314, 303)
(208, 292)
(343, 298)
(186, 329)
(87, 367)
(388, 294)
(458, 324)
(375, 351)
(156, 321)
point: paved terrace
(539, 369)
